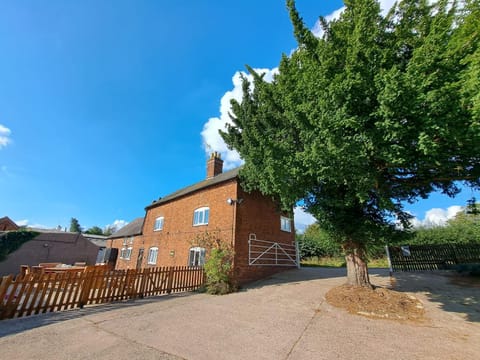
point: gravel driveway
(284, 317)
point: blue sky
(107, 105)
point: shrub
(219, 263)
(218, 269)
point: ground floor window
(152, 255)
(196, 256)
(126, 253)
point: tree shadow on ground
(18, 325)
(444, 288)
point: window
(126, 253)
(152, 255)
(285, 224)
(158, 224)
(127, 241)
(196, 256)
(200, 216)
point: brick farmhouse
(262, 236)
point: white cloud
(212, 141)
(302, 219)
(117, 224)
(21, 222)
(436, 217)
(26, 223)
(4, 136)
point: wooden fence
(431, 257)
(34, 293)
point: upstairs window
(285, 224)
(200, 216)
(196, 256)
(127, 240)
(158, 224)
(152, 255)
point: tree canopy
(376, 112)
(95, 230)
(75, 226)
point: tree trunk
(357, 270)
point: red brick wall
(255, 214)
(178, 234)
(259, 215)
(123, 264)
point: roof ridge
(225, 176)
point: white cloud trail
(4, 136)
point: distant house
(6, 224)
(54, 246)
(262, 236)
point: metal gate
(270, 253)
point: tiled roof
(57, 236)
(131, 229)
(195, 187)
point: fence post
(171, 273)
(86, 286)
(5, 296)
(389, 261)
(143, 273)
(297, 254)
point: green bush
(219, 262)
(464, 228)
(218, 269)
(316, 242)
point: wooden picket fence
(35, 293)
(432, 257)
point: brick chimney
(214, 165)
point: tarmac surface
(283, 317)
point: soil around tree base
(377, 303)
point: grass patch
(337, 262)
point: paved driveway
(284, 317)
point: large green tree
(75, 226)
(377, 112)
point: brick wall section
(178, 234)
(66, 248)
(256, 214)
(124, 264)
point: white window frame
(126, 253)
(285, 224)
(196, 256)
(201, 216)
(159, 221)
(152, 255)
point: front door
(140, 258)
